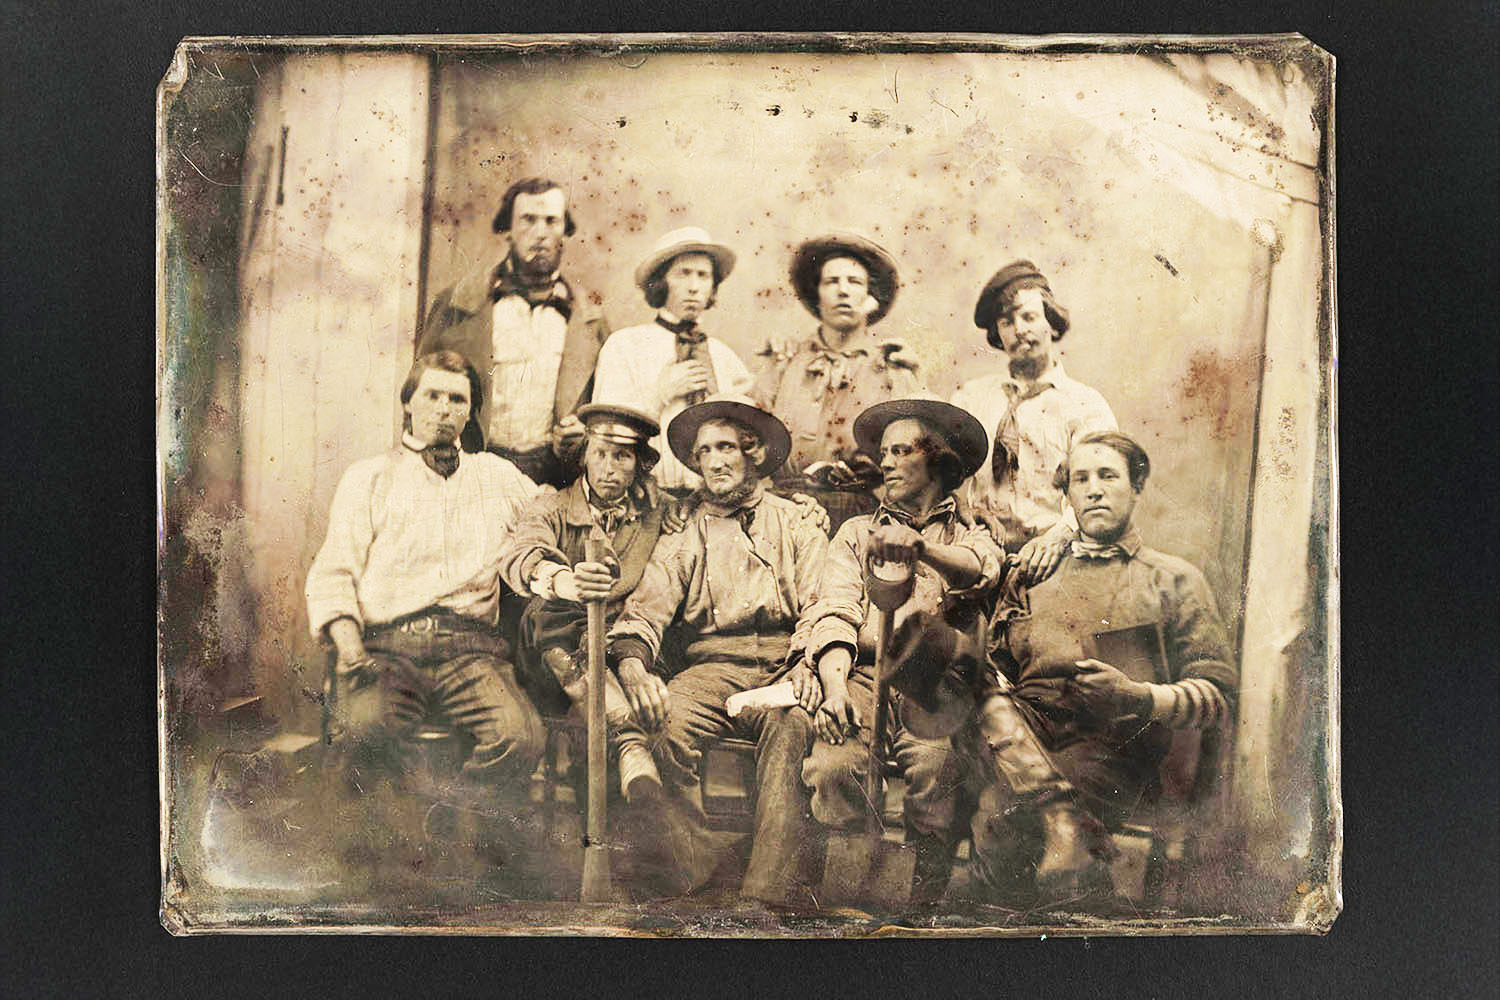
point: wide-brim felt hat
(689, 239)
(807, 269)
(932, 667)
(622, 425)
(987, 309)
(960, 429)
(682, 432)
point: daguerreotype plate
(359, 726)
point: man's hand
(676, 514)
(812, 511)
(567, 434)
(837, 715)
(1040, 556)
(348, 640)
(1106, 693)
(646, 692)
(896, 543)
(805, 687)
(681, 378)
(587, 581)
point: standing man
(733, 583)
(665, 366)
(1033, 413)
(407, 588)
(820, 384)
(533, 335)
(926, 449)
(1092, 670)
(617, 498)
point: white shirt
(527, 348)
(402, 538)
(1058, 410)
(630, 365)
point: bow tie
(441, 458)
(686, 329)
(1085, 549)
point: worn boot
(1075, 844)
(639, 778)
(932, 868)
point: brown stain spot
(1212, 384)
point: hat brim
(682, 432)
(723, 259)
(960, 428)
(807, 265)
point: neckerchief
(691, 345)
(505, 281)
(945, 510)
(440, 458)
(1005, 459)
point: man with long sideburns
(732, 584)
(926, 449)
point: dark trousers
(779, 859)
(439, 668)
(933, 770)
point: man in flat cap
(616, 498)
(732, 585)
(533, 335)
(925, 450)
(1033, 413)
(1090, 673)
(407, 589)
(665, 366)
(819, 384)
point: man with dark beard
(1033, 413)
(533, 335)
(407, 589)
(732, 585)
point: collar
(862, 343)
(579, 503)
(685, 329)
(945, 510)
(416, 445)
(1125, 547)
(505, 282)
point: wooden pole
(879, 724)
(596, 877)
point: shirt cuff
(626, 647)
(542, 581)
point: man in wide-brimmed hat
(664, 366)
(819, 384)
(925, 450)
(1032, 411)
(533, 334)
(616, 498)
(730, 586)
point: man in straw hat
(664, 366)
(407, 589)
(1090, 673)
(533, 335)
(819, 384)
(616, 497)
(925, 450)
(1033, 412)
(731, 585)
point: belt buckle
(423, 623)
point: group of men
(651, 470)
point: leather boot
(932, 868)
(1076, 844)
(571, 675)
(639, 778)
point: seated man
(1072, 743)
(616, 497)
(407, 587)
(733, 582)
(925, 449)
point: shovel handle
(596, 879)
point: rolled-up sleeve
(534, 542)
(839, 611)
(978, 540)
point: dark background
(1417, 184)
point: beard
(1026, 368)
(539, 265)
(732, 498)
